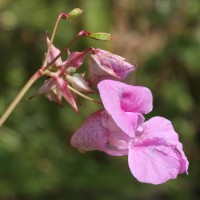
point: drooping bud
(105, 65)
(100, 36)
(75, 12)
(79, 83)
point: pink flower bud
(105, 65)
(79, 83)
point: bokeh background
(36, 159)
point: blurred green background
(36, 159)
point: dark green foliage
(36, 159)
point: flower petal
(154, 164)
(80, 83)
(120, 65)
(99, 71)
(119, 140)
(62, 84)
(159, 127)
(105, 65)
(91, 135)
(55, 95)
(119, 98)
(47, 86)
(108, 123)
(75, 59)
(53, 53)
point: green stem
(82, 95)
(17, 99)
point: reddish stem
(81, 33)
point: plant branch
(81, 33)
(61, 15)
(17, 99)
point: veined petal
(91, 135)
(154, 164)
(62, 84)
(161, 128)
(119, 98)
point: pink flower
(123, 101)
(105, 65)
(54, 89)
(56, 86)
(154, 152)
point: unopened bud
(75, 12)
(79, 83)
(105, 65)
(100, 36)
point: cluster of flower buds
(155, 154)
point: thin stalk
(17, 99)
(84, 96)
(37, 75)
(81, 33)
(61, 15)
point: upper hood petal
(120, 98)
